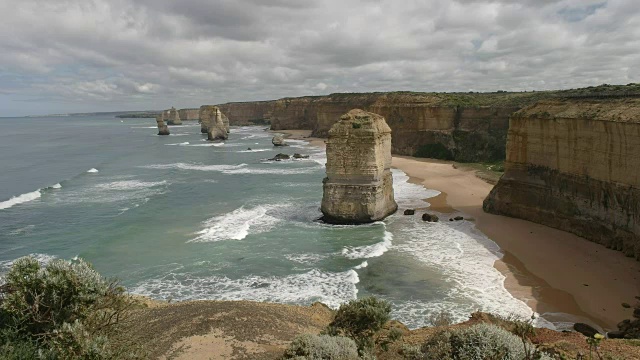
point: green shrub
(360, 320)
(66, 309)
(321, 347)
(442, 318)
(480, 341)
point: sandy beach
(556, 273)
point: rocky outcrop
(574, 164)
(359, 185)
(173, 118)
(212, 123)
(163, 129)
(189, 114)
(278, 140)
(225, 122)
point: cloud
(82, 55)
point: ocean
(180, 218)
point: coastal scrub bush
(321, 347)
(64, 310)
(360, 320)
(480, 341)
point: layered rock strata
(359, 185)
(189, 114)
(211, 120)
(163, 129)
(574, 164)
(173, 117)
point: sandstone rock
(280, 157)
(300, 156)
(584, 329)
(615, 335)
(430, 217)
(173, 117)
(359, 185)
(211, 121)
(573, 164)
(163, 129)
(225, 121)
(189, 114)
(278, 140)
(409, 212)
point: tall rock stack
(173, 117)
(359, 185)
(162, 127)
(225, 121)
(212, 123)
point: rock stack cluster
(212, 123)
(173, 117)
(162, 127)
(359, 185)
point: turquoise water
(179, 218)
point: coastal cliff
(458, 127)
(189, 114)
(574, 164)
(359, 185)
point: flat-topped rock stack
(173, 117)
(359, 184)
(163, 129)
(211, 122)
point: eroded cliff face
(189, 114)
(248, 113)
(574, 164)
(425, 125)
(359, 184)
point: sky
(63, 56)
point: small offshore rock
(248, 148)
(430, 217)
(409, 212)
(615, 335)
(458, 218)
(278, 140)
(300, 156)
(584, 329)
(163, 129)
(280, 157)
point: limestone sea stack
(211, 120)
(359, 185)
(162, 127)
(173, 117)
(225, 121)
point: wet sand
(554, 272)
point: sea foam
(20, 199)
(93, 170)
(237, 224)
(331, 288)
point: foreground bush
(480, 341)
(360, 320)
(62, 310)
(321, 347)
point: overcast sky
(59, 56)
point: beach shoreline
(559, 275)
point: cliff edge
(574, 164)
